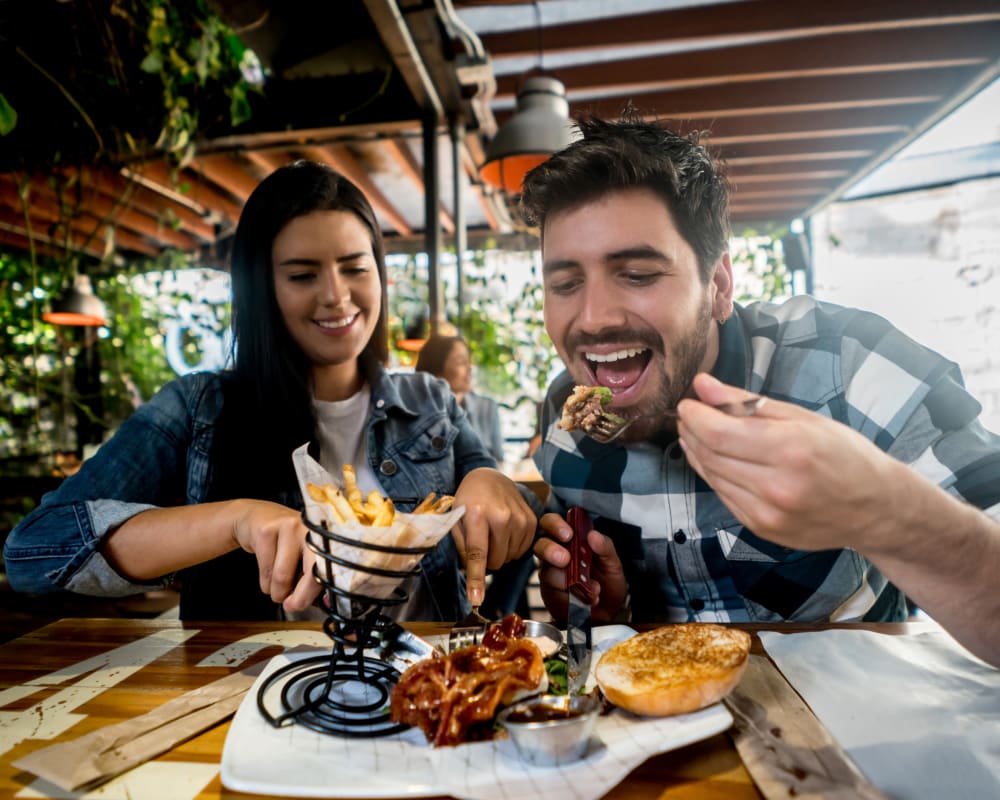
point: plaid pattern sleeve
(688, 558)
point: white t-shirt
(341, 426)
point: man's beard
(686, 357)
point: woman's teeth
(604, 358)
(336, 323)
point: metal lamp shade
(539, 128)
(78, 306)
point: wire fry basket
(345, 692)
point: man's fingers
(551, 552)
(556, 527)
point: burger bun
(674, 669)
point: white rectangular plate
(294, 761)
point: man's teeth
(335, 323)
(604, 358)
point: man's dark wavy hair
(632, 153)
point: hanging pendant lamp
(539, 128)
(78, 306)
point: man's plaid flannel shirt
(685, 554)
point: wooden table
(71, 677)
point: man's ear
(722, 283)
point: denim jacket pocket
(431, 440)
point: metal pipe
(461, 235)
(432, 223)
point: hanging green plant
(195, 54)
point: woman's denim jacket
(419, 441)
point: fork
(606, 429)
(469, 631)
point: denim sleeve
(143, 466)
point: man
(865, 475)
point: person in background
(447, 357)
(199, 482)
(864, 475)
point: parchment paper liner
(421, 531)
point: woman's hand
(276, 536)
(607, 579)
(497, 527)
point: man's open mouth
(620, 369)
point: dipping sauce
(544, 644)
(539, 712)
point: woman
(448, 357)
(199, 482)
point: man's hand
(792, 476)
(276, 536)
(497, 527)
(607, 579)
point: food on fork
(674, 669)
(585, 410)
(454, 698)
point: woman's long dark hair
(267, 397)
(269, 391)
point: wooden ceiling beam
(116, 186)
(779, 169)
(342, 160)
(852, 156)
(223, 171)
(87, 200)
(853, 54)
(793, 95)
(42, 244)
(742, 196)
(406, 161)
(91, 228)
(761, 18)
(787, 178)
(267, 161)
(810, 124)
(804, 147)
(200, 197)
(77, 234)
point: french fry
(354, 495)
(316, 492)
(351, 488)
(375, 510)
(386, 515)
(443, 504)
(425, 505)
(339, 502)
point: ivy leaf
(8, 116)
(152, 63)
(239, 108)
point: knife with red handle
(580, 598)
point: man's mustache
(581, 339)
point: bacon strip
(450, 697)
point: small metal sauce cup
(536, 629)
(550, 742)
